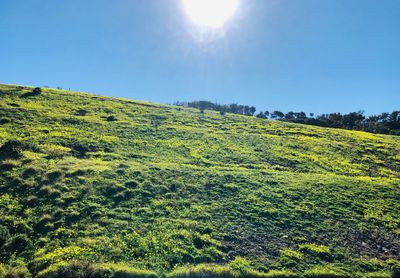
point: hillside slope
(86, 178)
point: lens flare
(210, 13)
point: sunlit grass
(172, 189)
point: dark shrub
(131, 184)
(120, 171)
(124, 195)
(15, 225)
(29, 172)
(32, 200)
(77, 173)
(11, 149)
(157, 120)
(14, 104)
(43, 224)
(18, 245)
(7, 167)
(81, 112)
(80, 149)
(35, 92)
(18, 185)
(68, 199)
(4, 235)
(71, 121)
(111, 189)
(4, 121)
(54, 175)
(111, 119)
(49, 191)
(72, 216)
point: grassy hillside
(111, 187)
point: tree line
(384, 123)
(222, 108)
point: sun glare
(210, 13)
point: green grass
(202, 271)
(165, 188)
(84, 270)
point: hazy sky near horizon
(290, 55)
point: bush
(4, 121)
(110, 190)
(4, 235)
(54, 175)
(35, 92)
(44, 223)
(87, 270)
(81, 112)
(111, 119)
(49, 191)
(6, 167)
(14, 104)
(131, 184)
(30, 172)
(79, 149)
(124, 195)
(201, 271)
(18, 245)
(11, 149)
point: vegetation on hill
(384, 123)
(233, 108)
(93, 186)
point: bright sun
(210, 13)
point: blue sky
(303, 55)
